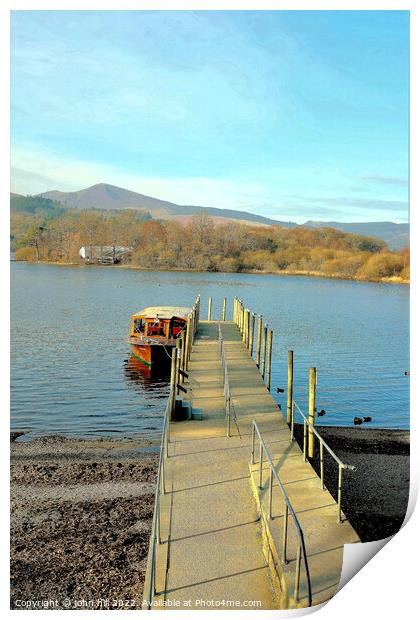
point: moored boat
(154, 332)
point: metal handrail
(322, 444)
(164, 454)
(301, 550)
(160, 489)
(226, 386)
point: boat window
(177, 327)
(157, 328)
(139, 326)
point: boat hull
(151, 354)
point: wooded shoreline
(287, 272)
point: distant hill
(396, 236)
(111, 197)
(104, 196)
(36, 205)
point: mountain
(104, 196)
(395, 235)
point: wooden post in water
(224, 309)
(173, 382)
(264, 350)
(259, 334)
(269, 352)
(242, 316)
(188, 343)
(251, 334)
(311, 411)
(289, 386)
(178, 363)
(182, 361)
(209, 310)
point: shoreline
(285, 272)
(82, 508)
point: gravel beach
(82, 510)
(80, 523)
(375, 496)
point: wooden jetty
(241, 519)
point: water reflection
(142, 378)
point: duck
(280, 390)
(358, 420)
(367, 418)
(407, 373)
(321, 412)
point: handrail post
(304, 440)
(209, 310)
(340, 482)
(297, 573)
(292, 422)
(311, 411)
(270, 497)
(285, 533)
(253, 445)
(261, 462)
(259, 333)
(321, 463)
(289, 386)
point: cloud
(381, 179)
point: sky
(295, 115)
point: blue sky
(295, 115)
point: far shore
(284, 272)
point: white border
(387, 586)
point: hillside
(105, 196)
(396, 236)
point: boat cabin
(159, 322)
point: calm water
(71, 372)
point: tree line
(56, 234)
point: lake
(71, 369)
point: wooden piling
(311, 410)
(209, 310)
(244, 335)
(224, 309)
(178, 363)
(259, 334)
(264, 351)
(251, 334)
(173, 382)
(289, 386)
(269, 353)
(187, 343)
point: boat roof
(164, 312)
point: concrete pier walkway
(219, 550)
